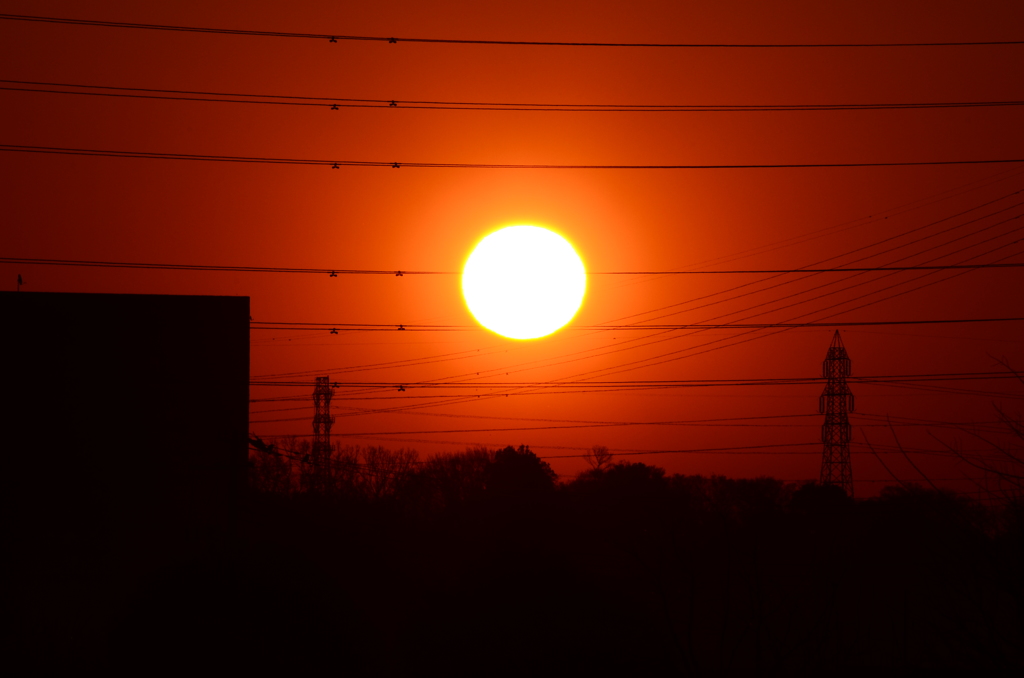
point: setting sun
(524, 282)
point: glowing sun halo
(524, 282)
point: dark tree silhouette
(518, 472)
(447, 481)
(815, 499)
(481, 562)
(598, 457)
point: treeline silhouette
(482, 563)
(379, 563)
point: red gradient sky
(68, 207)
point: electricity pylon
(835, 403)
(316, 474)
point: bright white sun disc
(524, 282)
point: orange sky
(68, 207)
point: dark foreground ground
(480, 564)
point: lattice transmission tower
(317, 472)
(835, 403)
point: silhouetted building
(125, 421)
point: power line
(649, 363)
(947, 390)
(335, 272)
(334, 328)
(748, 449)
(627, 452)
(462, 398)
(542, 428)
(338, 164)
(613, 424)
(451, 398)
(708, 349)
(554, 385)
(477, 353)
(883, 420)
(801, 292)
(335, 103)
(582, 423)
(848, 264)
(364, 469)
(745, 449)
(332, 272)
(624, 452)
(335, 37)
(664, 358)
(558, 424)
(861, 222)
(648, 383)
